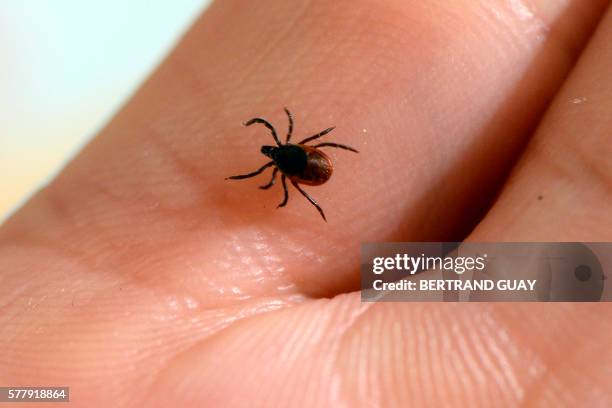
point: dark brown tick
(301, 163)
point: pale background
(65, 67)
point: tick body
(300, 163)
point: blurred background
(66, 67)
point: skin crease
(141, 272)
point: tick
(300, 163)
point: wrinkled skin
(140, 277)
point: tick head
(268, 150)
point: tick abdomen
(318, 168)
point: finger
(442, 123)
(342, 353)
(561, 190)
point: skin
(140, 277)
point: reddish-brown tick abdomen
(318, 169)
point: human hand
(140, 277)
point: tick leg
(253, 174)
(309, 198)
(290, 124)
(266, 124)
(284, 203)
(271, 183)
(318, 135)
(341, 146)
